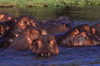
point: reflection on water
(76, 13)
(68, 56)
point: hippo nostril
(49, 54)
(41, 54)
(45, 54)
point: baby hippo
(45, 46)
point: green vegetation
(47, 3)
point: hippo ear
(1, 27)
(55, 48)
(44, 32)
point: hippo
(48, 23)
(2, 17)
(21, 43)
(57, 28)
(90, 31)
(45, 46)
(67, 21)
(74, 37)
(3, 29)
(96, 28)
(16, 29)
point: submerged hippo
(16, 29)
(67, 21)
(20, 43)
(74, 37)
(45, 46)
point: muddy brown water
(68, 56)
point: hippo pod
(96, 28)
(90, 31)
(74, 37)
(57, 28)
(45, 46)
(15, 30)
(62, 24)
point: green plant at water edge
(82, 2)
(49, 3)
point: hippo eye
(39, 43)
(51, 43)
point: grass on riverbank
(47, 3)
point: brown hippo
(56, 28)
(96, 28)
(74, 37)
(3, 29)
(48, 23)
(16, 29)
(67, 21)
(45, 46)
(91, 31)
(21, 42)
(2, 17)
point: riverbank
(47, 3)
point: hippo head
(2, 17)
(45, 46)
